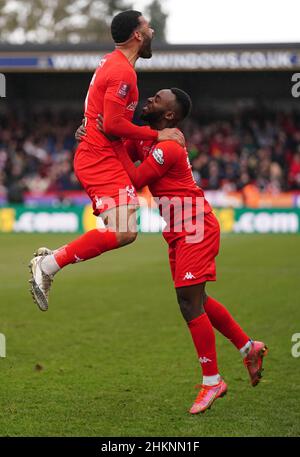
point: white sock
(211, 380)
(246, 349)
(49, 265)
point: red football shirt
(113, 93)
(167, 171)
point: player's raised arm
(156, 165)
(117, 125)
(130, 145)
(115, 112)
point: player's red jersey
(113, 93)
(167, 171)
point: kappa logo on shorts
(189, 275)
(123, 89)
(130, 191)
(99, 202)
(158, 156)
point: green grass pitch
(113, 356)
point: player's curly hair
(123, 24)
(184, 102)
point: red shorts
(103, 177)
(194, 263)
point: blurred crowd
(253, 148)
(36, 153)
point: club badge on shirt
(123, 89)
(158, 156)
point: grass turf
(113, 356)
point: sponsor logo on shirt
(132, 106)
(158, 156)
(123, 89)
(189, 275)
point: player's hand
(171, 134)
(99, 122)
(80, 132)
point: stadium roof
(84, 57)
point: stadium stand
(262, 149)
(245, 128)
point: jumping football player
(113, 93)
(165, 168)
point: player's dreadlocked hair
(184, 102)
(123, 24)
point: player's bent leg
(223, 321)
(251, 351)
(120, 230)
(190, 300)
(44, 267)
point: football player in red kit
(165, 168)
(113, 93)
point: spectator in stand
(294, 171)
(214, 175)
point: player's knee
(127, 237)
(189, 308)
(184, 304)
(131, 236)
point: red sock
(87, 246)
(222, 320)
(205, 343)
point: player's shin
(87, 246)
(204, 341)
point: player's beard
(152, 117)
(146, 52)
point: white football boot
(40, 281)
(43, 251)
